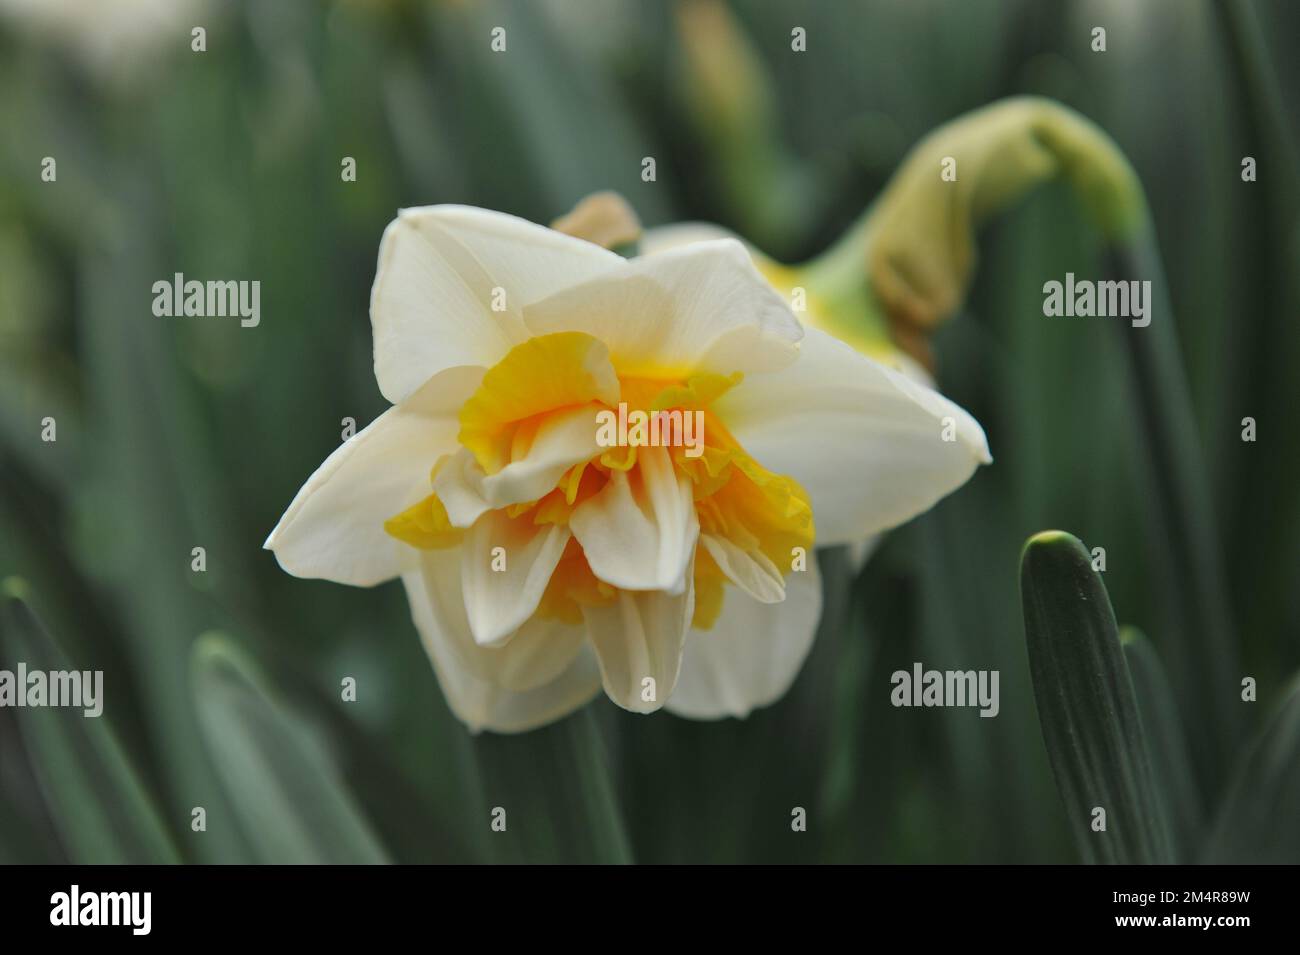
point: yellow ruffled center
(735, 497)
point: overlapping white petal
(564, 439)
(702, 308)
(639, 640)
(505, 567)
(867, 443)
(452, 281)
(750, 570)
(678, 234)
(752, 653)
(334, 528)
(459, 485)
(541, 675)
(639, 531)
(535, 654)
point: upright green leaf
(278, 773)
(98, 804)
(1175, 783)
(153, 493)
(1187, 562)
(1086, 706)
(1260, 818)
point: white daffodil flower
(543, 561)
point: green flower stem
(572, 812)
(910, 256)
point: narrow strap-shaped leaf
(1187, 565)
(286, 789)
(1086, 706)
(98, 803)
(1260, 818)
(1175, 783)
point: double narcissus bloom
(542, 559)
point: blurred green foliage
(181, 433)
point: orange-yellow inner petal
(424, 525)
(735, 496)
(541, 376)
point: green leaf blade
(1086, 705)
(1167, 743)
(100, 807)
(1259, 821)
(281, 780)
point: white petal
(638, 640)
(538, 652)
(440, 269)
(485, 704)
(639, 531)
(564, 439)
(750, 570)
(535, 654)
(866, 442)
(502, 588)
(753, 652)
(702, 307)
(664, 237)
(334, 528)
(459, 485)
